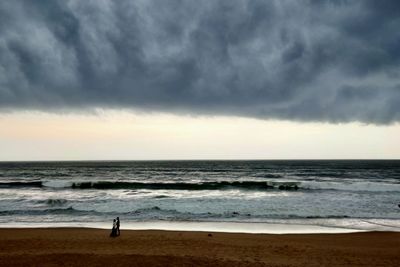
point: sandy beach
(94, 247)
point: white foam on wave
(57, 184)
(352, 186)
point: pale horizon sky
(126, 135)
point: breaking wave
(248, 185)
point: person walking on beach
(117, 231)
(114, 229)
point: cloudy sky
(146, 79)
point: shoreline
(94, 247)
(288, 227)
(220, 227)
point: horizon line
(220, 159)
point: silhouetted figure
(117, 225)
(114, 229)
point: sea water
(350, 194)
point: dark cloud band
(307, 60)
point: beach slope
(93, 247)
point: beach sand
(94, 247)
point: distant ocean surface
(354, 194)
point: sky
(223, 79)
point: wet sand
(94, 247)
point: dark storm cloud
(307, 60)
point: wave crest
(247, 185)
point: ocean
(347, 194)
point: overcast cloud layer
(334, 61)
